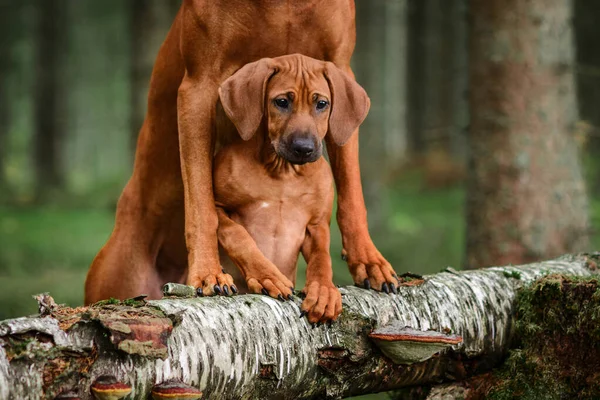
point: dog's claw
(280, 297)
(199, 292)
(217, 289)
(367, 284)
(385, 288)
(226, 290)
(234, 289)
(329, 323)
(303, 313)
(344, 256)
(393, 288)
(289, 297)
(264, 291)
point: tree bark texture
(526, 195)
(253, 346)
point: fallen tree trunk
(257, 347)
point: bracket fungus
(175, 390)
(107, 387)
(405, 345)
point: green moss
(556, 352)
(112, 300)
(133, 302)
(17, 347)
(512, 274)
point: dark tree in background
(526, 197)
(150, 22)
(381, 35)
(8, 31)
(587, 31)
(49, 96)
(437, 79)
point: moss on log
(557, 352)
(257, 347)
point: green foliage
(47, 249)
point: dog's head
(302, 99)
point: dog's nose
(303, 147)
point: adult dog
(166, 220)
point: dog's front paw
(273, 284)
(323, 302)
(214, 284)
(370, 269)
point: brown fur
(166, 220)
(270, 209)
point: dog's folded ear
(243, 95)
(349, 104)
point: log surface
(252, 346)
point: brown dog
(274, 192)
(166, 221)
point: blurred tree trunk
(437, 87)
(587, 33)
(379, 63)
(150, 22)
(5, 65)
(416, 73)
(8, 16)
(526, 196)
(443, 82)
(394, 78)
(49, 107)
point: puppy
(273, 188)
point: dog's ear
(243, 96)
(349, 104)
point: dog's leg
(367, 266)
(323, 300)
(196, 106)
(124, 267)
(196, 112)
(259, 272)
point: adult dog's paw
(370, 269)
(273, 284)
(214, 284)
(323, 302)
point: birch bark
(252, 346)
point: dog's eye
(321, 104)
(282, 103)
